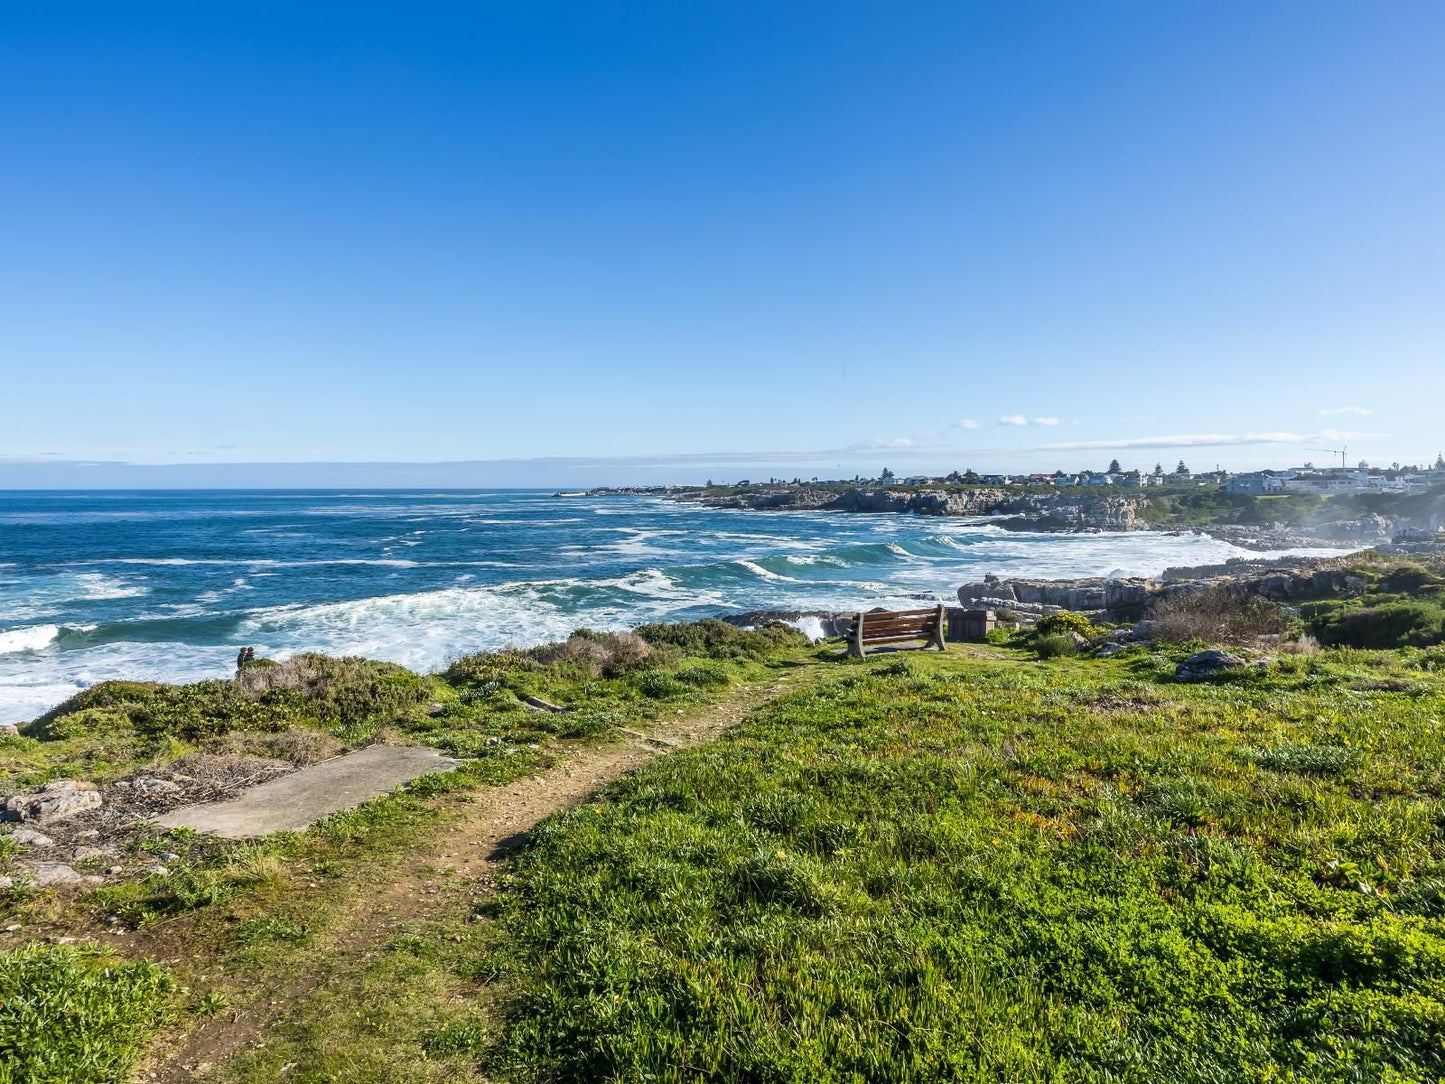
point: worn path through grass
(281, 997)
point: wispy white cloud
(964, 423)
(877, 444)
(1013, 419)
(1046, 421)
(1358, 411)
(1206, 440)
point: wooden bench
(895, 626)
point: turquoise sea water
(166, 585)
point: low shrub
(1304, 645)
(704, 674)
(1065, 621)
(343, 692)
(187, 712)
(659, 685)
(1216, 616)
(721, 640)
(609, 654)
(1055, 645)
(1391, 625)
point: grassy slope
(250, 910)
(968, 868)
(974, 866)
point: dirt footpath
(474, 843)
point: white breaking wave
(94, 585)
(32, 638)
(427, 629)
(811, 627)
(758, 570)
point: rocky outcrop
(1097, 594)
(1080, 509)
(821, 623)
(1069, 512)
(29, 837)
(1206, 665)
(1130, 599)
(54, 801)
(1065, 511)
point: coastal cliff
(1020, 511)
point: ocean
(169, 585)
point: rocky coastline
(1130, 599)
(1065, 511)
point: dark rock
(1207, 664)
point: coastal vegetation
(481, 709)
(976, 867)
(1004, 862)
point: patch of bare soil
(402, 891)
(128, 805)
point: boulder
(54, 801)
(1207, 664)
(29, 837)
(47, 874)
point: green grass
(605, 681)
(76, 1015)
(957, 869)
(257, 910)
(409, 1010)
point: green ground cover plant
(76, 1014)
(958, 868)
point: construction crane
(1341, 452)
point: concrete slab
(304, 797)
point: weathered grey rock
(1093, 595)
(55, 801)
(47, 874)
(29, 837)
(156, 786)
(79, 854)
(1207, 664)
(1113, 647)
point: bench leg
(855, 642)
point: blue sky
(606, 242)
